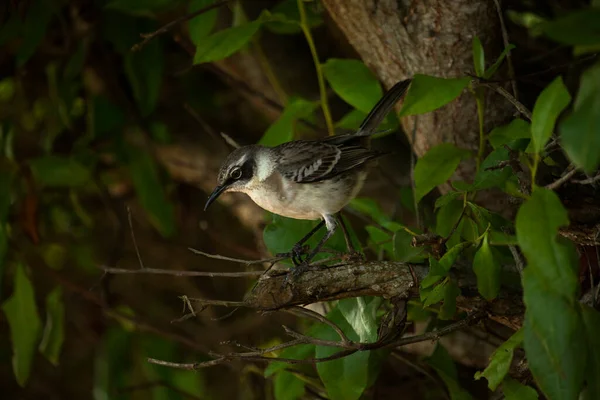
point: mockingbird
(307, 179)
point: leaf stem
(320, 78)
(534, 167)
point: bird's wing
(311, 161)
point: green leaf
(348, 377)
(428, 93)
(447, 217)
(299, 352)
(550, 103)
(287, 17)
(359, 312)
(436, 167)
(144, 70)
(492, 70)
(485, 179)
(553, 325)
(149, 189)
(282, 130)
(224, 43)
(54, 331)
(507, 134)
(500, 361)
(478, 57)
(487, 268)
(201, 25)
(282, 233)
(444, 366)
(576, 28)
(436, 294)
(352, 120)
(436, 272)
(370, 207)
(25, 325)
(514, 390)
(553, 336)
(353, 82)
(288, 386)
(448, 308)
(579, 131)
(39, 15)
(591, 322)
(55, 171)
(404, 250)
(537, 225)
(447, 198)
(448, 259)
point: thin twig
(135, 245)
(349, 348)
(222, 303)
(164, 29)
(511, 71)
(503, 92)
(305, 312)
(563, 179)
(588, 181)
(229, 140)
(237, 260)
(201, 122)
(156, 271)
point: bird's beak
(213, 196)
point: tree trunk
(398, 39)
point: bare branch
(155, 271)
(563, 179)
(135, 245)
(511, 70)
(349, 347)
(164, 29)
(237, 260)
(305, 312)
(503, 92)
(588, 181)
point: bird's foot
(296, 254)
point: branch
(155, 271)
(164, 29)
(237, 260)
(563, 179)
(349, 347)
(588, 181)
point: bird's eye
(236, 173)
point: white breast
(307, 200)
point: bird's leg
(331, 225)
(353, 254)
(296, 253)
(349, 245)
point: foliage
(71, 146)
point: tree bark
(398, 39)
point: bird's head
(235, 173)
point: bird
(307, 179)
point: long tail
(382, 108)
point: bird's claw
(296, 254)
